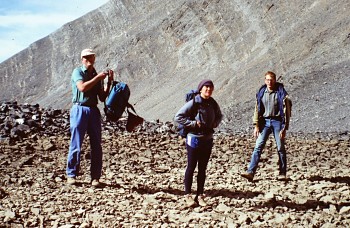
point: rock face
(163, 48)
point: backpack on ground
(183, 131)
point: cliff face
(164, 48)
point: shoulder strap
(195, 104)
(196, 109)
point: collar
(268, 91)
(83, 68)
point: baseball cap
(87, 52)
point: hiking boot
(248, 176)
(189, 200)
(201, 200)
(95, 183)
(71, 180)
(282, 177)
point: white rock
(344, 210)
(222, 208)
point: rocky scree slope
(143, 178)
(162, 49)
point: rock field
(143, 178)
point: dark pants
(200, 155)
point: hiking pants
(85, 120)
(274, 127)
(199, 155)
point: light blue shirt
(89, 97)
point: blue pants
(274, 127)
(200, 155)
(85, 120)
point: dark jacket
(207, 111)
(284, 105)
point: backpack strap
(195, 109)
(109, 93)
(131, 107)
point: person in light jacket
(199, 116)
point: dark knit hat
(205, 82)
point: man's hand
(87, 85)
(256, 131)
(101, 76)
(283, 134)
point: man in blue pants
(272, 114)
(85, 117)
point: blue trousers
(274, 127)
(199, 155)
(85, 120)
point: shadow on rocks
(310, 204)
(345, 180)
(212, 193)
(3, 194)
(142, 189)
(232, 194)
(103, 185)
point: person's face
(270, 81)
(206, 91)
(88, 60)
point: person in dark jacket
(272, 115)
(200, 116)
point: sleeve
(218, 115)
(76, 75)
(256, 115)
(183, 116)
(287, 111)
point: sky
(22, 22)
